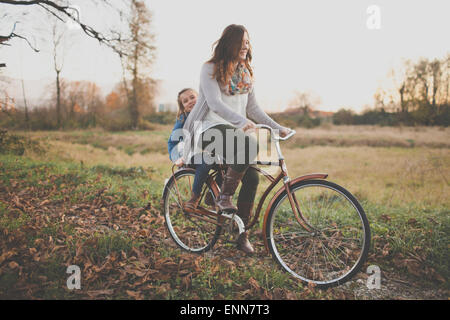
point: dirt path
(393, 288)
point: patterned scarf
(240, 82)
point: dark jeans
(239, 158)
(201, 174)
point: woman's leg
(238, 156)
(244, 152)
(241, 151)
(245, 203)
(249, 186)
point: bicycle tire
(281, 231)
(189, 233)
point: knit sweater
(236, 102)
(210, 99)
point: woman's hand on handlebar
(250, 125)
(284, 132)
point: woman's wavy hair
(180, 103)
(226, 53)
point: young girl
(186, 101)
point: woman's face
(244, 47)
(188, 99)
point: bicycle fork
(293, 200)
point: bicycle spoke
(189, 231)
(175, 197)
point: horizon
(342, 60)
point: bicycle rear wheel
(337, 244)
(190, 232)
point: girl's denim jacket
(174, 152)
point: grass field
(91, 198)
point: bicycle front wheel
(189, 231)
(334, 240)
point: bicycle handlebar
(276, 137)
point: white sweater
(214, 107)
(237, 103)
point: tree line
(417, 94)
(81, 106)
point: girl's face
(244, 47)
(188, 99)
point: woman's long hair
(226, 53)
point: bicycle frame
(287, 182)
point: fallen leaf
(44, 202)
(135, 294)
(94, 293)
(254, 284)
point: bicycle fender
(311, 176)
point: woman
(227, 104)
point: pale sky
(324, 47)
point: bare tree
(64, 10)
(58, 62)
(137, 64)
(445, 87)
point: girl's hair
(226, 52)
(180, 103)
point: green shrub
(117, 120)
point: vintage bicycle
(315, 229)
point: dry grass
(388, 175)
(394, 172)
(374, 136)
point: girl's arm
(175, 137)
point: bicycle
(315, 229)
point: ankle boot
(244, 212)
(229, 186)
(243, 243)
(192, 203)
